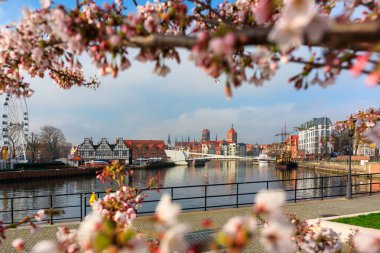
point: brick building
(146, 149)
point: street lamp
(351, 131)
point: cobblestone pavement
(305, 210)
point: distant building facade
(366, 149)
(314, 135)
(205, 135)
(146, 149)
(232, 135)
(87, 150)
(291, 143)
(241, 149)
(228, 147)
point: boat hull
(286, 165)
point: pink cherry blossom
(45, 3)
(361, 62)
(40, 215)
(295, 17)
(18, 244)
(269, 201)
(367, 243)
(45, 247)
(277, 237)
(166, 211)
(173, 239)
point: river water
(214, 172)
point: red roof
(148, 143)
(231, 131)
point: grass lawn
(369, 220)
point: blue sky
(140, 105)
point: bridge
(226, 157)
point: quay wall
(10, 176)
(332, 167)
(341, 168)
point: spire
(169, 141)
(232, 125)
(216, 137)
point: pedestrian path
(304, 210)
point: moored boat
(284, 161)
(290, 165)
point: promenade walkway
(305, 210)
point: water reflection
(213, 172)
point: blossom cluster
(115, 172)
(51, 39)
(367, 125)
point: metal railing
(195, 197)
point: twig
(211, 10)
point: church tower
(232, 135)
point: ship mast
(283, 134)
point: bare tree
(15, 141)
(34, 144)
(53, 139)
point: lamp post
(351, 131)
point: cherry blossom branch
(360, 36)
(323, 64)
(211, 10)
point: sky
(140, 105)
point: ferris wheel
(15, 126)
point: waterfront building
(314, 135)
(224, 149)
(208, 148)
(88, 151)
(232, 135)
(190, 146)
(291, 144)
(241, 149)
(269, 149)
(145, 149)
(205, 135)
(231, 151)
(366, 149)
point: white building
(231, 149)
(87, 150)
(367, 149)
(241, 150)
(208, 148)
(314, 136)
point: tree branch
(357, 36)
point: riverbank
(62, 171)
(305, 210)
(341, 168)
(331, 167)
(22, 175)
